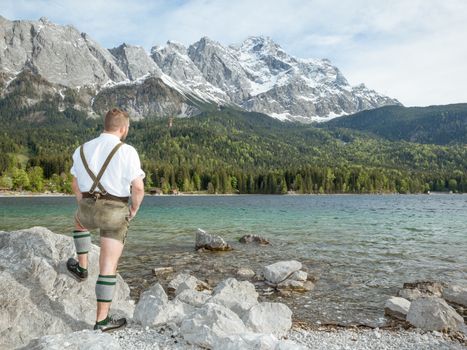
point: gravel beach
(136, 337)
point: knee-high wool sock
(105, 287)
(82, 241)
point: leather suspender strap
(97, 178)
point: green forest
(232, 151)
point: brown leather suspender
(97, 178)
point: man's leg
(111, 250)
(82, 239)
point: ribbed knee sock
(105, 287)
(82, 241)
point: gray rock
(184, 281)
(207, 326)
(275, 318)
(177, 280)
(160, 271)
(210, 242)
(190, 282)
(154, 308)
(281, 270)
(427, 288)
(193, 297)
(253, 239)
(38, 296)
(456, 295)
(299, 276)
(245, 273)
(235, 295)
(83, 340)
(410, 294)
(397, 307)
(296, 286)
(433, 314)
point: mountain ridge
(256, 75)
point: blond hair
(116, 119)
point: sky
(412, 50)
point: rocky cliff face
(37, 294)
(257, 75)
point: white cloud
(412, 50)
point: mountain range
(59, 62)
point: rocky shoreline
(42, 307)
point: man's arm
(75, 188)
(137, 195)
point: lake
(360, 248)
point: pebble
(135, 337)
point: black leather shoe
(72, 266)
(110, 324)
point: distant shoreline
(24, 194)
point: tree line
(228, 152)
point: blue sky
(413, 50)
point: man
(104, 169)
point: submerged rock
(38, 296)
(426, 288)
(160, 271)
(207, 241)
(397, 307)
(253, 239)
(433, 314)
(245, 273)
(296, 286)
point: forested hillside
(440, 125)
(229, 151)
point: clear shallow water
(361, 248)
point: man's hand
(132, 213)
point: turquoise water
(360, 248)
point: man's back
(122, 170)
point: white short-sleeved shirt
(124, 167)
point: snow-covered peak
(260, 44)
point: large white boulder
(456, 295)
(239, 296)
(275, 318)
(207, 326)
(83, 340)
(397, 307)
(154, 308)
(433, 314)
(38, 296)
(281, 270)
